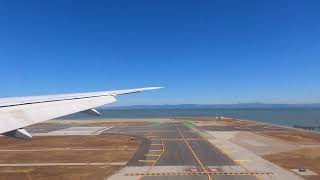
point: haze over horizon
(206, 52)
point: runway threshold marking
(194, 154)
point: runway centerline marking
(194, 154)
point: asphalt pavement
(174, 144)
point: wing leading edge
(16, 113)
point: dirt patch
(58, 172)
(307, 157)
(66, 156)
(96, 141)
(65, 149)
(300, 137)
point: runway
(172, 145)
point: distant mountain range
(217, 106)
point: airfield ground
(65, 157)
(181, 148)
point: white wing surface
(16, 113)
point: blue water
(287, 117)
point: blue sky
(203, 52)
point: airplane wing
(19, 112)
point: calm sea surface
(287, 117)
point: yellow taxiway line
(194, 154)
(156, 155)
(147, 160)
(156, 150)
(154, 161)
